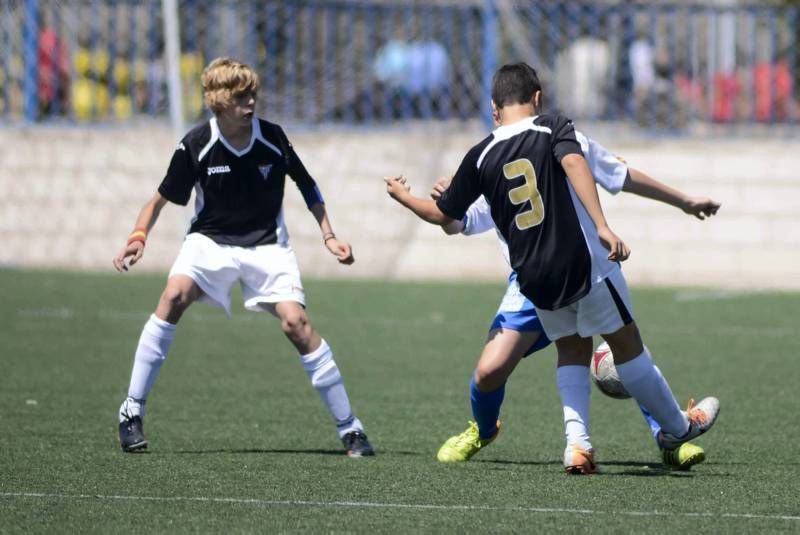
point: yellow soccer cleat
(461, 448)
(683, 457)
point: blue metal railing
(30, 58)
(355, 61)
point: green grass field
(239, 441)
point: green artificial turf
(240, 442)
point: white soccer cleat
(578, 460)
(701, 417)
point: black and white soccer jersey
(609, 171)
(238, 193)
(552, 241)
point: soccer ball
(604, 373)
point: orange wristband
(137, 235)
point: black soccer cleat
(357, 445)
(131, 434)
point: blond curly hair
(223, 77)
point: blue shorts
(517, 313)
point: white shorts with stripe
(604, 310)
(268, 274)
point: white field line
(59, 313)
(374, 505)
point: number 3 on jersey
(528, 192)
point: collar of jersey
(255, 132)
(501, 133)
(509, 130)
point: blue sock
(486, 408)
(655, 429)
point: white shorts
(604, 310)
(267, 273)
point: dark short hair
(514, 83)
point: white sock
(643, 381)
(575, 391)
(325, 377)
(151, 352)
(131, 407)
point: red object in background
(691, 91)
(53, 68)
(773, 91)
(726, 92)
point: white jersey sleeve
(478, 218)
(608, 170)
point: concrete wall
(69, 198)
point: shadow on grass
(517, 463)
(293, 451)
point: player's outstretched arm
(583, 183)
(134, 247)
(425, 209)
(338, 248)
(646, 186)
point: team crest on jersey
(264, 169)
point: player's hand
(441, 184)
(617, 250)
(341, 250)
(128, 256)
(701, 207)
(396, 186)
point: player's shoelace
(357, 439)
(468, 437)
(696, 415)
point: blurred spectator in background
(417, 72)
(656, 101)
(582, 75)
(663, 101)
(53, 74)
(641, 59)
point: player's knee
(626, 343)
(176, 299)
(489, 377)
(295, 326)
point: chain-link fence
(662, 65)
